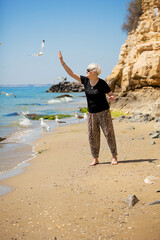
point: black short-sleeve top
(96, 96)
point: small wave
(11, 114)
(25, 122)
(15, 114)
(19, 123)
(65, 99)
(17, 137)
(31, 104)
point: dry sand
(60, 197)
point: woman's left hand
(112, 98)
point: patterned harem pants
(95, 121)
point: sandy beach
(59, 196)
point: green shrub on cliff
(134, 11)
(114, 113)
(117, 113)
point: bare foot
(95, 162)
(114, 161)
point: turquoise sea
(21, 133)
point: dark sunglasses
(88, 70)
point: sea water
(21, 132)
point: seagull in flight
(44, 125)
(59, 121)
(8, 94)
(40, 52)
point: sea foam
(64, 99)
(25, 122)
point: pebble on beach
(132, 200)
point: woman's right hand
(60, 57)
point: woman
(98, 109)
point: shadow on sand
(133, 161)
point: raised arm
(67, 69)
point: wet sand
(60, 197)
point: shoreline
(18, 148)
(59, 195)
(26, 148)
(20, 167)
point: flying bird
(59, 121)
(44, 125)
(8, 94)
(40, 52)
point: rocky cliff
(139, 58)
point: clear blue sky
(85, 31)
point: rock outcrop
(137, 74)
(145, 100)
(66, 87)
(139, 59)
